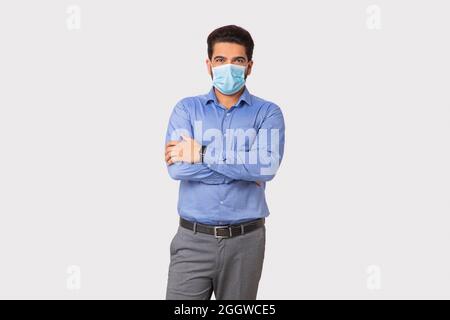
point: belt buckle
(222, 227)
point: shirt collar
(245, 97)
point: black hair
(233, 34)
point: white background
(364, 181)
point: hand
(185, 150)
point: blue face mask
(228, 78)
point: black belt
(221, 232)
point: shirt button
(221, 202)
(228, 114)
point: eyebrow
(234, 58)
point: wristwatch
(202, 153)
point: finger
(173, 160)
(170, 149)
(171, 154)
(174, 154)
(172, 143)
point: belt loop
(242, 229)
(195, 227)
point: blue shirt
(244, 147)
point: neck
(228, 101)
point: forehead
(228, 50)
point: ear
(208, 66)
(249, 67)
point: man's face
(226, 53)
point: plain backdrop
(359, 207)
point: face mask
(228, 78)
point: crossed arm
(184, 160)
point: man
(223, 147)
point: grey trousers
(200, 264)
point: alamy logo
(73, 281)
(238, 146)
(73, 21)
(373, 21)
